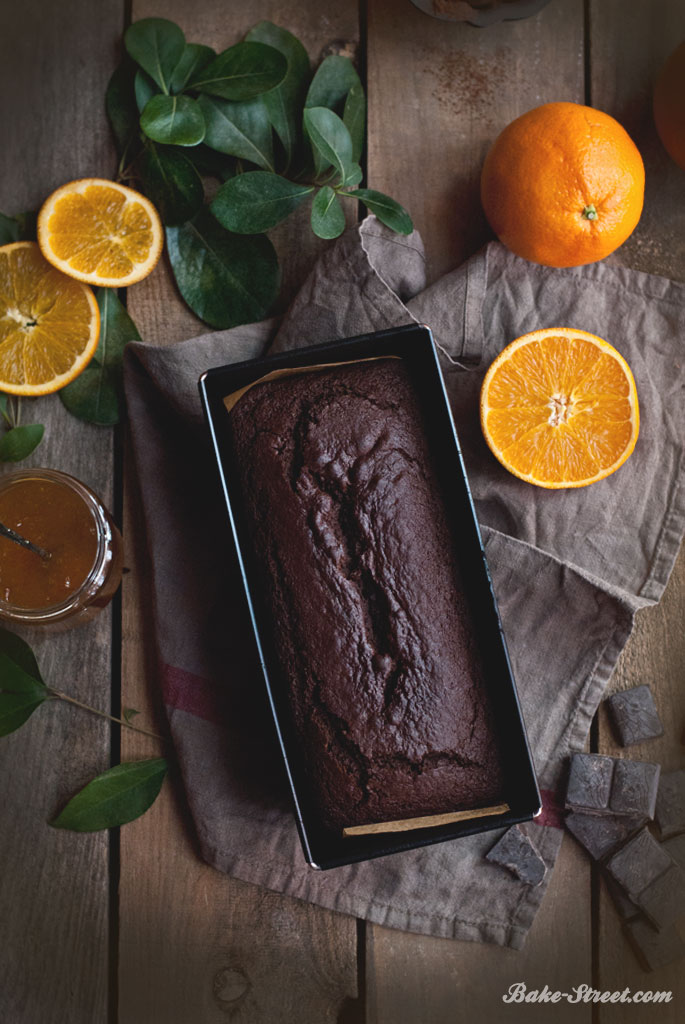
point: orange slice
(49, 323)
(559, 408)
(100, 232)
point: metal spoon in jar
(5, 531)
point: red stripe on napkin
(552, 813)
(186, 691)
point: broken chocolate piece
(634, 787)
(516, 852)
(670, 804)
(663, 902)
(624, 905)
(612, 785)
(589, 782)
(601, 834)
(634, 715)
(655, 949)
(639, 863)
(676, 848)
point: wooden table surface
(131, 926)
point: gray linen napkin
(570, 567)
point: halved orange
(100, 232)
(49, 323)
(558, 408)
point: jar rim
(53, 612)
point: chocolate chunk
(676, 848)
(654, 948)
(639, 863)
(612, 785)
(663, 901)
(601, 834)
(624, 905)
(670, 804)
(516, 852)
(634, 715)
(634, 787)
(589, 782)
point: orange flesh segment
(560, 410)
(46, 319)
(100, 231)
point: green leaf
(120, 103)
(354, 118)
(114, 798)
(20, 694)
(172, 183)
(239, 129)
(129, 714)
(210, 161)
(28, 225)
(9, 229)
(354, 175)
(15, 679)
(334, 79)
(21, 228)
(328, 218)
(194, 58)
(386, 209)
(174, 120)
(332, 82)
(95, 395)
(157, 45)
(19, 442)
(116, 329)
(19, 651)
(226, 279)
(144, 89)
(284, 103)
(242, 72)
(256, 201)
(330, 138)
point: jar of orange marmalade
(68, 521)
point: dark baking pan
(413, 344)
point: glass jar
(480, 12)
(64, 517)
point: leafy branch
(113, 798)
(256, 118)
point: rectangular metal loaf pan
(414, 345)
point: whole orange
(669, 105)
(563, 185)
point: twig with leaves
(256, 118)
(115, 797)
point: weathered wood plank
(414, 978)
(440, 92)
(195, 944)
(438, 95)
(54, 892)
(629, 44)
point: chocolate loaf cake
(360, 579)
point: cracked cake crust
(358, 568)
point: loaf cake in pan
(358, 571)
